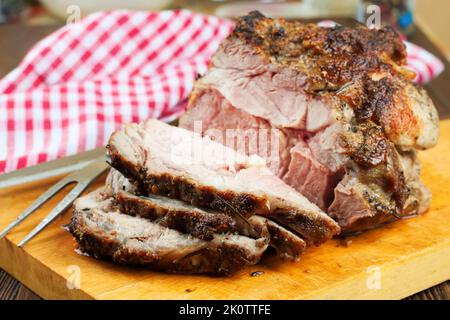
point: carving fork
(82, 178)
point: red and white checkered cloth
(78, 85)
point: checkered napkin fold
(78, 85)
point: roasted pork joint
(295, 134)
(342, 104)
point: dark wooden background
(15, 41)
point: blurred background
(431, 16)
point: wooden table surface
(15, 41)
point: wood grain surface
(16, 40)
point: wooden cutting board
(392, 262)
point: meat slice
(174, 162)
(102, 230)
(310, 177)
(216, 118)
(175, 214)
(170, 213)
(202, 224)
(287, 244)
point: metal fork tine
(36, 204)
(60, 207)
(84, 177)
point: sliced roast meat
(174, 162)
(115, 182)
(287, 153)
(170, 213)
(183, 217)
(102, 230)
(175, 214)
(288, 245)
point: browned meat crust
(97, 233)
(364, 68)
(228, 260)
(185, 190)
(331, 57)
(181, 216)
(288, 245)
(377, 164)
(184, 218)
